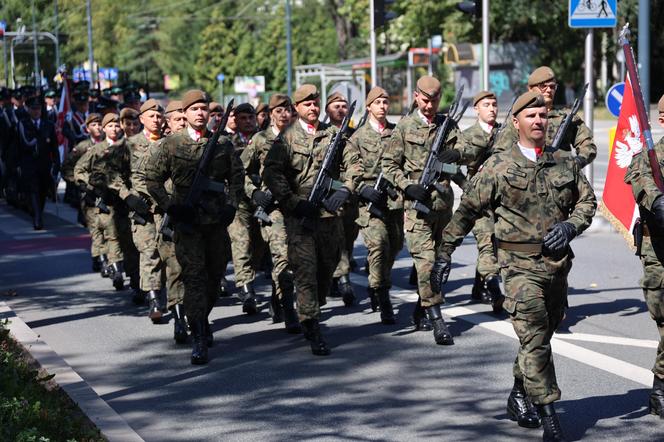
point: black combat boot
(334, 290)
(311, 329)
(519, 407)
(155, 308)
(96, 264)
(105, 267)
(386, 312)
(656, 405)
(420, 319)
(248, 298)
(441, 333)
(412, 278)
(275, 310)
(478, 288)
(291, 321)
(138, 297)
(179, 324)
(346, 291)
(496, 295)
(550, 423)
(373, 297)
(199, 352)
(223, 288)
(118, 279)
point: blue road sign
(614, 98)
(220, 77)
(593, 13)
(110, 74)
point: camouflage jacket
(253, 160)
(407, 151)
(177, 159)
(479, 140)
(639, 175)
(72, 158)
(578, 136)
(293, 161)
(140, 149)
(526, 198)
(106, 167)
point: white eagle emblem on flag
(630, 145)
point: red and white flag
(63, 110)
(618, 204)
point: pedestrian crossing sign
(593, 13)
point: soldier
(382, 232)
(216, 112)
(132, 100)
(486, 287)
(129, 122)
(39, 159)
(649, 238)
(8, 150)
(199, 234)
(403, 163)
(263, 116)
(336, 109)
(539, 204)
(75, 129)
(51, 107)
(291, 167)
(274, 231)
(175, 119)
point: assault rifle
(201, 182)
(567, 121)
(324, 182)
(261, 214)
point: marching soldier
(51, 107)
(403, 163)
(175, 119)
(382, 230)
(263, 116)
(291, 167)
(129, 122)
(75, 129)
(274, 230)
(649, 236)
(199, 234)
(539, 204)
(216, 113)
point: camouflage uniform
(199, 250)
(403, 163)
(639, 175)
(291, 166)
(527, 199)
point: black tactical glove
(137, 204)
(581, 162)
(449, 156)
(370, 194)
(559, 236)
(306, 209)
(657, 210)
(416, 192)
(440, 273)
(336, 200)
(181, 213)
(226, 215)
(261, 199)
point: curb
(111, 425)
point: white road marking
(602, 339)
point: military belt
(526, 247)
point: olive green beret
(375, 93)
(482, 95)
(305, 92)
(529, 99)
(278, 100)
(150, 104)
(129, 113)
(429, 86)
(92, 118)
(110, 118)
(540, 75)
(660, 104)
(193, 96)
(244, 108)
(174, 105)
(216, 107)
(333, 98)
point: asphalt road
(380, 383)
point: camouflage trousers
(423, 238)
(313, 257)
(487, 264)
(150, 265)
(384, 240)
(105, 228)
(247, 245)
(275, 237)
(171, 269)
(131, 256)
(98, 246)
(652, 284)
(200, 254)
(535, 300)
(351, 231)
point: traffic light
(472, 8)
(381, 14)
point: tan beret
(129, 113)
(333, 98)
(110, 118)
(278, 100)
(482, 95)
(216, 107)
(174, 105)
(92, 118)
(305, 92)
(261, 108)
(529, 99)
(150, 104)
(540, 75)
(375, 93)
(660, 105)
(429, 86)
(193, 96)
